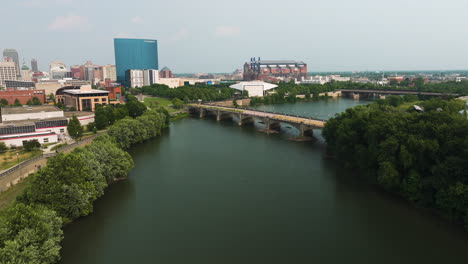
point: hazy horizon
(210, 36)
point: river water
(208, 192)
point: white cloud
(138, 20)
(70, 23)
(227, 31)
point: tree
(234, 103)
(31, 145)
(74, 128)
(92, 127)
(177, 103)
(17, 102)
(3, 147)
(135, 108)
(100, 117)
(64, 185)
(36, 101)
(30, 234)
(3, 102)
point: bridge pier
(355, 96)
(272, 125)
(245, 120)
(220, 115)
(306, 131)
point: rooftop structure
(254, 88)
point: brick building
(266, 70)
(22, 95)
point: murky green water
(209, 192)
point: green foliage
(74, 128)
(17, 102)
(177, 103)
(128, 131)
(420, 156)
(234, 103)
(65, 189)
(30, 234)
(92, 127)
(31, 145)
(135, 108)
(3, 102)
(3, 147)
(190, 93)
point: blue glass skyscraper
(134, 54)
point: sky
(219, 36)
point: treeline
(421, 156)
(105, 116)
(189, 93)
(407, 85)
(33, 101)
(66, 188)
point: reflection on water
(209, 192)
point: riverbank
(66, 188)
(216, 191)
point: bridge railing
(266, 112)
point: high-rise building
(34, 67)
(7, 71)
(134, 54)
(140, 78)
(109, 72)
(13, 54)
(76, 72)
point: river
(211, 193)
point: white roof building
(254, 88)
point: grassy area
(153, 102)
(10, 159)
(7, 197)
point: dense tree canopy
(421, 156)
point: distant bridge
(271, 120)
(356, 93)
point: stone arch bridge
(271, 120)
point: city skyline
(328, 35)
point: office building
(13, 54)
(76, 72)
(7, 71)
(140, 78)
(109, 72)
(34, 67)
(134, 54)
(21, 124)
(82, 98)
